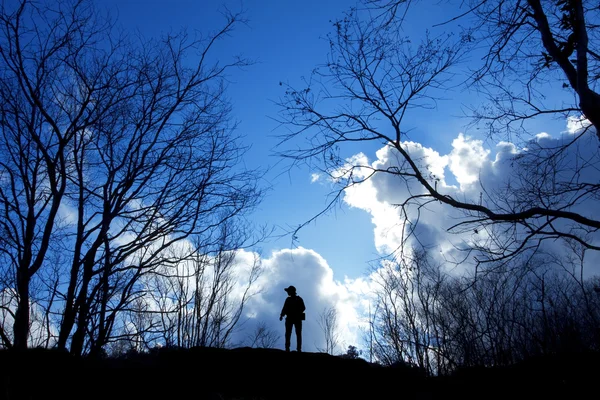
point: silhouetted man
(293, 308)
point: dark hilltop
(249, 373)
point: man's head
(290, 290)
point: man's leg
(288, 333)
(298, 326)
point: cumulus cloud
(467, 159)
(314, 177)
(313, 278)
(502, 175)
(577, 124)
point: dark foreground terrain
(244, 373)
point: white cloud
(313, 278)
(314, 177)
(481, 174)
(576, 124)
(466, 159)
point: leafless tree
(112, 151)
(529, 44)
(38, 123)
(135, 329)
(440, 321)
(329, 326)
(202, 304)
(408, 299)
(374, 76)
(263, 337)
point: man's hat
(290, 289)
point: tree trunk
(82, 317)
(21, 325)
(589, 101)
(68, 319)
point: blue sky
(286, 39)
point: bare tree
(40, 118)
(263, 337)
(439, 321)
(374, 77)
(203, 303)
(112, 151)
(408, 298)
(530, 44)
(329, 326)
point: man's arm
(284, 309)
